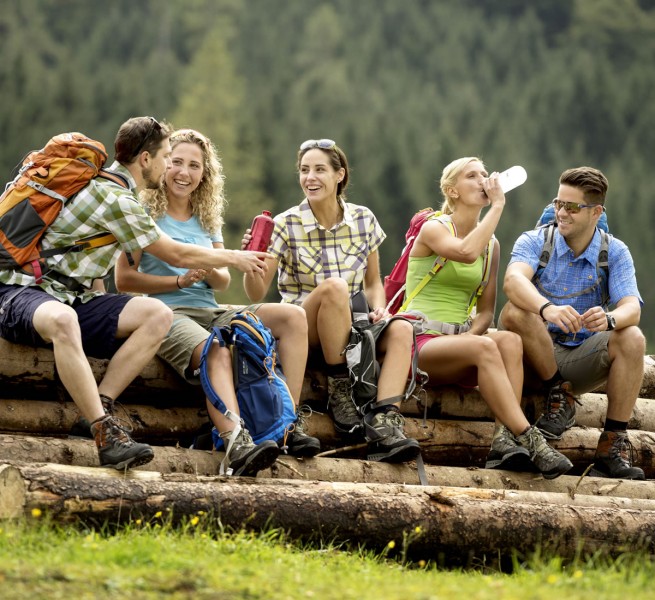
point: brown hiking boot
(116, 449)
(614, 457)
(559, 412)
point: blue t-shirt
(186, 232)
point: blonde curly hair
(207, 200)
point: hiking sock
(338, 370)
(612, 425)
(554, 380)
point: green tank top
(446, 297)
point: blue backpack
(548, 222)
(265, 403)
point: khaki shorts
(191, 327)
(586, 366)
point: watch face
(611, 322)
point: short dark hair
(138, 134)
(591, 181)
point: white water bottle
(512, 178)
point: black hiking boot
(246, 458)
(507, 454)
(298, 442)
(116, 449)
(341, 407)
(559, 412)
(614, 457)
(386, 439)
(549, 461)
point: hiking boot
(506, 453)
(247, 458)
(386, 439)
(614, 457)
(298, 442)
(116, 449)
(341, 407)
(549, 461)
(82, 427)
(559, 414)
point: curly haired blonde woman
(189, 207)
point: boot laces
(392, 421)
(622, 450)
(112, 407)
(558, 401)
(111, 431)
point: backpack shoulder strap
(115, 177)
(487, 260)
(439, 261)
(547, 248)
(602, 266)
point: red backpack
(48, 179)
(395, 282)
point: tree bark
(148, 422)
(456, 523)
(31, 373)
(169, 460)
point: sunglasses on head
(151, 128)
(324, 144)
(572, 208)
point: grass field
(197, 560)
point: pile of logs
(465, 511)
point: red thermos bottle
(261, 232)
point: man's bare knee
(60, 326)
(629, 342)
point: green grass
(154, 560)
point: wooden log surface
(163, 424)
(459, 443)
(27, 372)
(454, 522)
(170, 460)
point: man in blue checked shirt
(572, 342)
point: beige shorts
(586, 366)
(191, 327)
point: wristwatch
(611, 322)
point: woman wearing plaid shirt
(326, 249)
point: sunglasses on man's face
(151, 128)
(324, 144)
(572, 208)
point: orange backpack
(46, 181)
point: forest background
(404, 86)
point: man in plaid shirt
(571, 341)
(65, 311)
